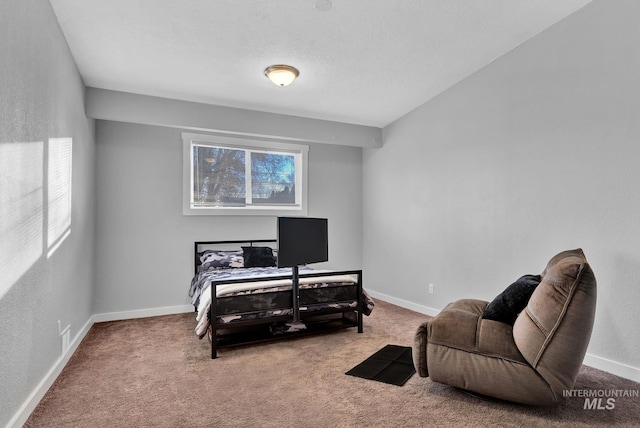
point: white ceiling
(365, 62)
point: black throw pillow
(508, 304)
(258, 257)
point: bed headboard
(199, 246)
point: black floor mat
(392, 364)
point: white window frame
(301, 152)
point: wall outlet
(65, 337)
(430, 288)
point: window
(230, 176)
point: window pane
(218, 176)
(273, 178)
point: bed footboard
(268, 317)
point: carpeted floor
(154, 372)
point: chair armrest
(457, 324)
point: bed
(241, 297)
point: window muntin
(237, 176)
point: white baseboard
(38, 393)
(142, 313)
(404, 303)
(613, 367)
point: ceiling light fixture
(322, 5)
(281, 75)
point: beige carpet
(154, 372)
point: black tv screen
(302, 240)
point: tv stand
(295, 295)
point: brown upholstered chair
(531, 362)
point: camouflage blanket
(325, 285)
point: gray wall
(41, 97)
(145, 244)
(536, 153)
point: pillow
(213, 260)
(258, 257)
(508, 304)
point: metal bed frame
(243, 332)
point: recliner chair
(531, 362)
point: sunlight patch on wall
(58, 192)
(21, 209)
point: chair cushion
(460, 325)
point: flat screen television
(302, 240)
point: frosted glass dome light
(281, 75)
